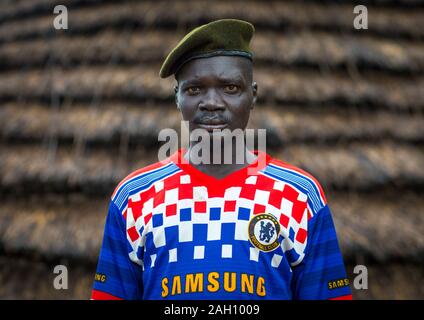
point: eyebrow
(198, 80)
(236, 78)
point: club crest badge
(263, 232)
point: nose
(211, 101)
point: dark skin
(217, 93)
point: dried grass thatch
(305, 48)
(369, 226)
(379, 226)
(32, 278)
(291, 14)
(81, 109)
(277, 85)
(18, 9)
(73, 227)
(393, 281)
(355, 167)
(107, 123)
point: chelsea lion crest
(263, 232)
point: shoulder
(300, 180)
(141, 178)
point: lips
(212, 123)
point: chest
(191, 221)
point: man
(257, 228)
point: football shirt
(262, 232)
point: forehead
(226, 67)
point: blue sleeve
(117, 277)
(321, 275)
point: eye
(193, 90)
(231, 88)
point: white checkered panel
(199, 252)
(184, 210)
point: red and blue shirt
(263, 232)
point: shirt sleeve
(322, 274)
(117, 276)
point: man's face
(216, 92)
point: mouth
(211, 127)
(212, 124)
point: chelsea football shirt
(263, 232)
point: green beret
(220, 37)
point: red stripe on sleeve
(346, 297)
(99, 295)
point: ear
(176, 97)
(255, 93)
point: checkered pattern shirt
(263, 232)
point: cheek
(241, 109)
(240, 119)
(188, 108)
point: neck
(219, 160)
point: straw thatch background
(81, 108)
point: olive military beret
(221, 37)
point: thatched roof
(405, 280)
(67, 169)
(276, 86)
(74, 226)
(386, 21)
(141, 123)
(306, 48)
(18, 283)
(82, 108)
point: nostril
(211, 106)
